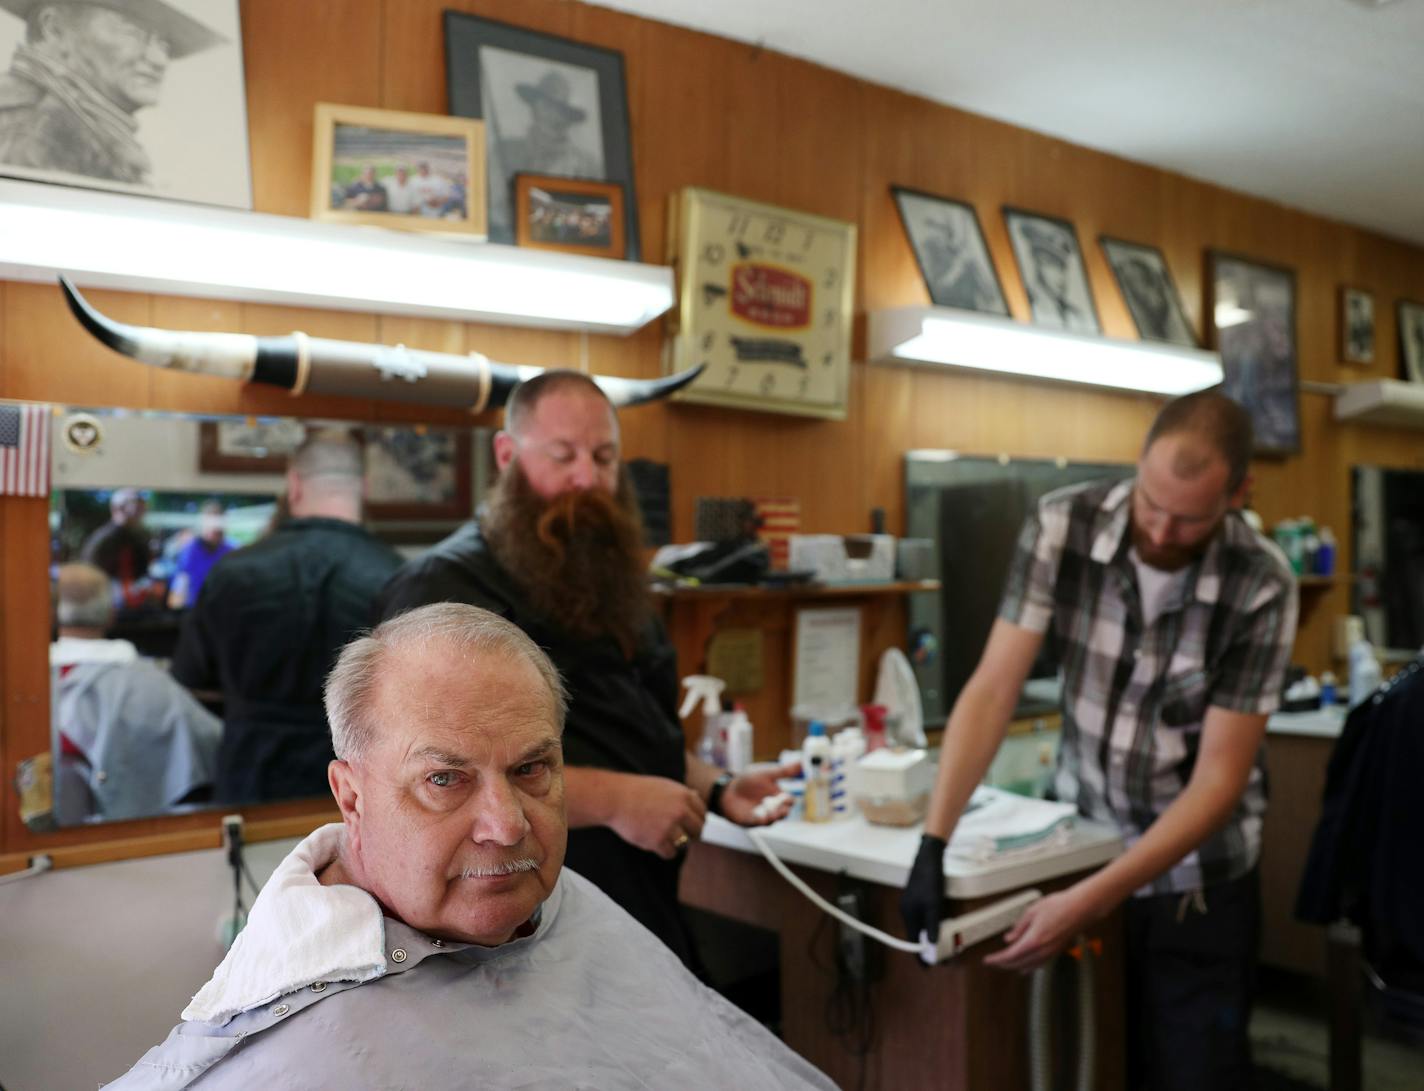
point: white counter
(1321, 723)
(883, 854)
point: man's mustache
(494, 871)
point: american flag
(780, 518)
(24, 450)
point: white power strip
(957, 933)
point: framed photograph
(950, 250)
(1357, 326)
(551, 106)
(1051, 264)
(248, 447)
(416, 473)
(765, 302)
(569, 214)
(1250, 310)
(1146, 286)
(1411, 340)
(83, 106)
(419, 172)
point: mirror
(152, 502)
(1388, 550)
(973, 508)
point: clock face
(765, 303)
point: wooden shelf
(805, 591)
(1314, 583)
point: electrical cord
(38, 864)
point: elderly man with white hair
(432, 939)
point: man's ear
(1238, 498)
(294, 488)
(503, 449)
(346, 787)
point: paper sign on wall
(827, 661)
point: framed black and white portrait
(949, 248)
(1251, 316)
(1051, 264)
(1357, 326)
(1411, 340)
(1146, 285)
(137, 96)
(550, 106)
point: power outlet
(851, 952)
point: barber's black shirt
(268, 625)
(622, 714)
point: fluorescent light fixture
(939, 335)
(140, 244)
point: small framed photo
(569, 214)
(1411, 340)
(552, 106)
(248, 446)
(418, 172)
(1146, 285)
(949, 248)
(1357, 326)
(1251, 317)
(418, 473)
(1051, 264)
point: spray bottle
(816, 766)
(707, 690)
(739, 740)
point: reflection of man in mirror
(133, 742)
(546, 147)
(82, 73)
(270, 619)
(1051, 252)
(120, 547)
(955, 276)
(197, 557)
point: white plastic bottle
(1365, 673)
(707, 690)
(847, 748)
(816, 767)
(739, 741)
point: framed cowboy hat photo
(1054, 277)
(550, 106)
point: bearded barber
(557, 551)
(1173, 622)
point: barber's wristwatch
(714, 797)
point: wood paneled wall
(733, 117)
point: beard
(1169, 558)
(576, 556)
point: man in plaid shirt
(1173, 623)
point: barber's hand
(1046, 927)
(922, 903)
(747, 790)
(659, 815)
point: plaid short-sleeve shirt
(1135, 695)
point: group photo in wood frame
(570, 215)
(392, 168)
(1251, 319)
(551, 105)
(949, 248)
(1054, 276)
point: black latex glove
(922, 903)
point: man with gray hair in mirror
(432, 938)
(132, 742)
(271, 618)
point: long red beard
(576, 556)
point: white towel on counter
(999, 825)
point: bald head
(1212, 428)
(326, 477)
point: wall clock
(765, 299)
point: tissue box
(845, 558)
(892, 787)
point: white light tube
(107, 240)
(939, 335)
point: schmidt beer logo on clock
(765, 301)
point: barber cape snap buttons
(281, 1009)
(398, 955)
(319, 987)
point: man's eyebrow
(545, 748)
(438, 756)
